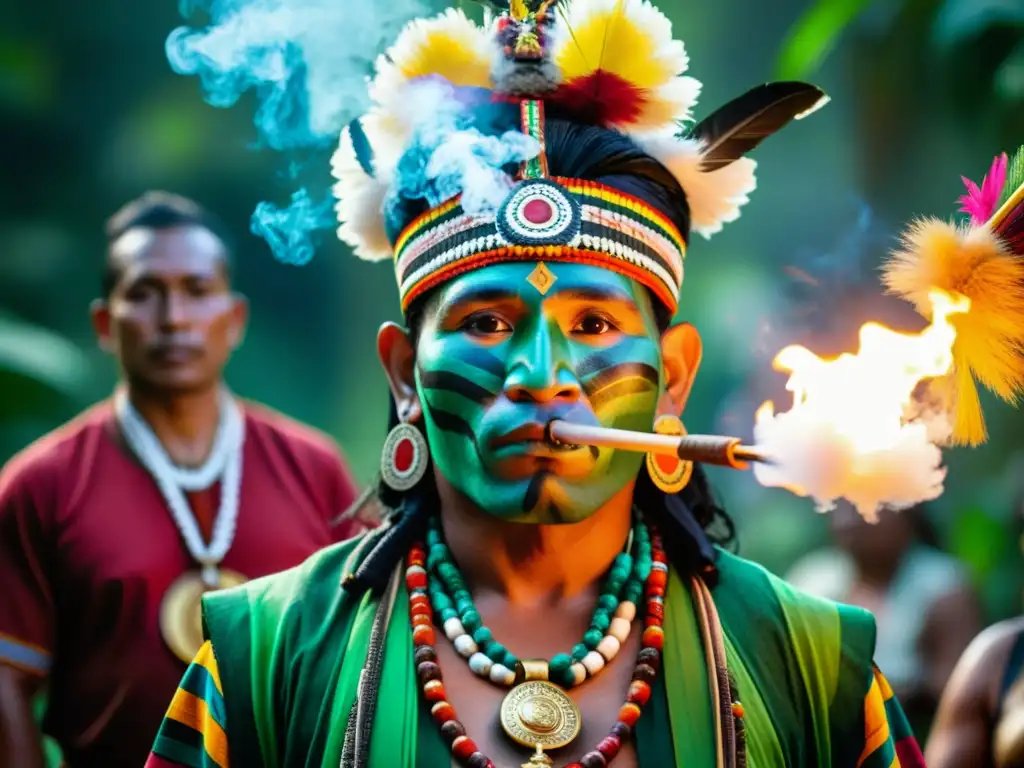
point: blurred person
(922, 598)
(980, 722)
(113, 525)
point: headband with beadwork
(608, 63)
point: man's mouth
(175, 353)
(531, 435)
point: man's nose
(174, 310)
(540, 370)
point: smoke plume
(306, 62)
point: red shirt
(88, 548)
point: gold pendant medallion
(181, 619)
(537, 713)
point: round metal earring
(405, 457)
(669, 473)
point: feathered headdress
(982, 259)
(607, 63)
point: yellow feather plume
(517, 10)
(989, 347)
(632, 40)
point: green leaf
(978, 540)
(39, 369)
(1014, 176)
(814, 36)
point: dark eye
(593, 325)
(486, 324)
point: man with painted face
(113, 525)
(532, 602)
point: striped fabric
(888, 742)
(192, 734)
(24, 656)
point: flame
(855, 430)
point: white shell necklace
(224, 463)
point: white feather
(360, 206)
(714, 197)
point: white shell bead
(417, 569)
(465, 645)
(594, 662)
(502, 674)
(453, 628)
(480, 664)
(608, 647)
(619, 629)
(626, 610)
(579, 672)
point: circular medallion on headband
(539, 212)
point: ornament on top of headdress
(983, 260)
(525, 32)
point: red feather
(600, 98)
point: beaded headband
(611, 64)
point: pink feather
(981, 202)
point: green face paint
(497, 359)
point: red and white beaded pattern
(428, 671)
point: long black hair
(692, 522)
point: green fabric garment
(290, 649)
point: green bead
(471, 621)
(559, 663)
(623, 562)
(643, 569)
(614, 585)
(579, 651)
(448, 572)
(463, 605)
(634, 591)
(433, 537)
(438, 554)
(482, 636)
(461, 594)
(510, 660)
(448, 613)
(608, 603)
(601, 621)
(564, 677)
(592, 638)
(440, 601)
(496, 652)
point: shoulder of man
(306, 441)
(59, 460)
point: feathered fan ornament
(983, 260)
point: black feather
(735, 129)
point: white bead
(480, 664)
(626, 610)
(594, 662)
(502, 674)
(465, 646)
(659, 566)
(453, 628)
(619, 629)
(608, 647)
(415, 569)
(579, 673)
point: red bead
(419, 604)
(609, 747)
(656, 609)
(463, 747)
(629, 713)
(653, 637)
(433, 690)
(442, 712)
(737, 709)
(658, 556)
(416, 580)
(639, 692)
(658, 578)
(422, 635)
(653, 590)
(417, 556)
(538, 211)
(650, 621)
(422, 620)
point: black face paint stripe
(532, 496)
(484, 360)
(453, 382)
(450, 422)
(620, 371)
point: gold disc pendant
(537, 713)
(181, 617)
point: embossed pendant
(537, 713)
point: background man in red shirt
(114, 524)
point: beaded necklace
(428, 671)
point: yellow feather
(619, 43)
(989, 345)
(441, 53)
(517, 10)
